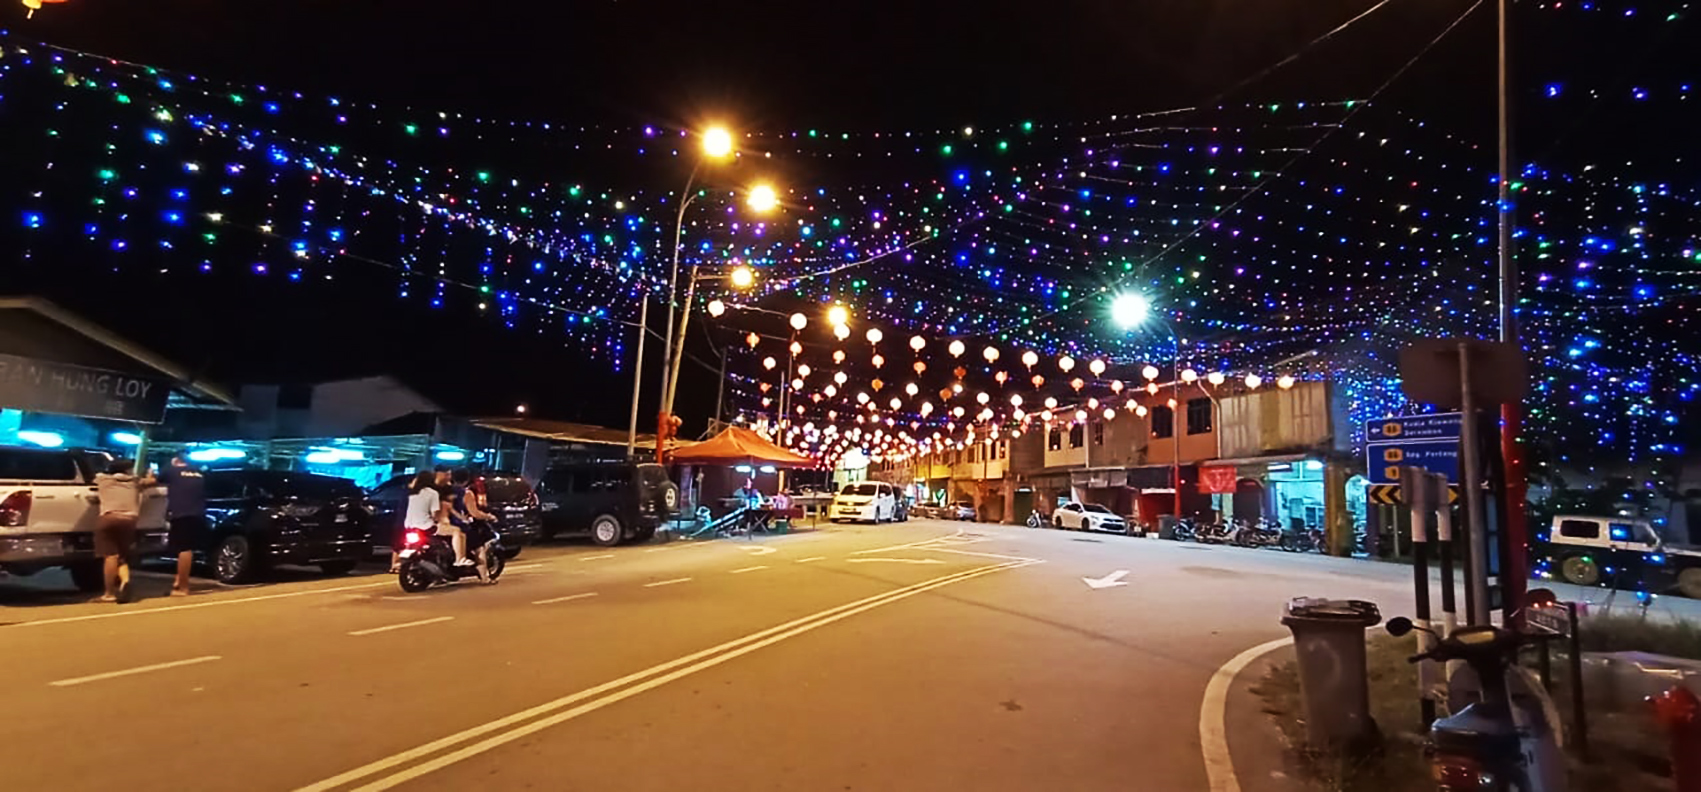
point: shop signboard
(1430, 442)
(1218, 479)
(65, 389)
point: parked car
(264, 517)
(1088, 517)
(963, 510)
(870, 501)
(507, 496)
(48, 511)
(612, 502)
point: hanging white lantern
(1092, 404)
(803, 370)
(990, 353)
(1171, 404)
(1215, 378)
(1149, 372)
(1109, 414)
(874, 335)
(917, 342)
(1284, 382)
(861, 398)
(1097, 367)
(799, 321)
(1253, 381)
(1030, 358)
(982, 397)
(716, 307)
(841, 332)
(1066, 364)
(1116, 386)
(1140, 410)
(797, 383)
(1015, 400)
(830, 391)
(1051, 402)
(1152, 388)
(769, 363)
(956, 349)
(911, 389)
(1189, 375)
(1080, 416)
(895, 403)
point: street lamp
(1130, 310)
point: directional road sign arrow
(1108, 581)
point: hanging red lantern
(944, 394)
(1001, 377)
(960, 372)
(1077, 384)
(752, 340)
(764, 386)
(877, 385)
(1038, 380)
(919, 367)
(35, 5)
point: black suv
(505, 495)
(612, 502)
(265, 517)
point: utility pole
(638, 374)
(1515, 570)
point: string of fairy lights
(1287, 242)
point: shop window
(1163, 422)
(1054, 441)
(1098, 434)
(1198, 416)
(1076, 436)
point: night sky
(755, 65)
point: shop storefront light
(216, 454)
(742, 468)
(43, 439)
(126, 438)
(450, 455)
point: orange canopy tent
(738, 445)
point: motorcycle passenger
(428, 512)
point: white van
(873, 501)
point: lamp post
(1130, 311)
(741, 277)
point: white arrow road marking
(1112, 579)
(758, 550)
(896, 560)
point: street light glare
(717, 142)
(743, 277)
(763, 198)
(837, 316)
(1130, 310)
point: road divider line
(402, 626)
(554, 600)
(1213, 717)
(129, 671)
(518, 567)
(894, 560)
(193, 605)
(597, 557)
(811, 558)
(747, 569)
(667, 582)
(810, 624)
(657, 549)
(439, 745)
(987, 555)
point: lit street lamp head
(742, 277)
(1130, 310)
(717, 142)
(837, 316)
(763, 198)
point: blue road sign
(1430, 442)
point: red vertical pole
(1680, 713)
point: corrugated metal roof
(35, 327)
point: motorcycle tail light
(412, 538)
(15, 509)
(1461, 774)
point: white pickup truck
(48, 510)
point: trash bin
(1166, 526)
(1328, 637)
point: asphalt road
(924, 656)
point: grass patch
(1623, 632)
(1627, 747)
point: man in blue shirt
(186, 514)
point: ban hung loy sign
(1430, 442)
(65, 389)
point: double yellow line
(430, 757)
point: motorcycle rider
(465, 512)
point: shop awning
(737, 445)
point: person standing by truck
(119, 493)
(186, 514)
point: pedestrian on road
(119, 493)
(186, 514)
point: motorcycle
(1508, 739)
(1035, 520)
(1184, 530)
(429, 560)
(1263, 534)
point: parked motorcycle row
(1248, 533)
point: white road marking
(597, 557)
(747, 569)
(128, 671)
(667, 582)
(1213, 713)
(647, 679)
(811, 558)
(1108, 581)
(658, 549)
(193, 605)
(986, 555)
(564, 599)
(518, 567)
(399, 599)
(757, 550)
(895, 560)
(908, 544)
(402, 626)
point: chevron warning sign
(1389, 494)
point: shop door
(1248, 500)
